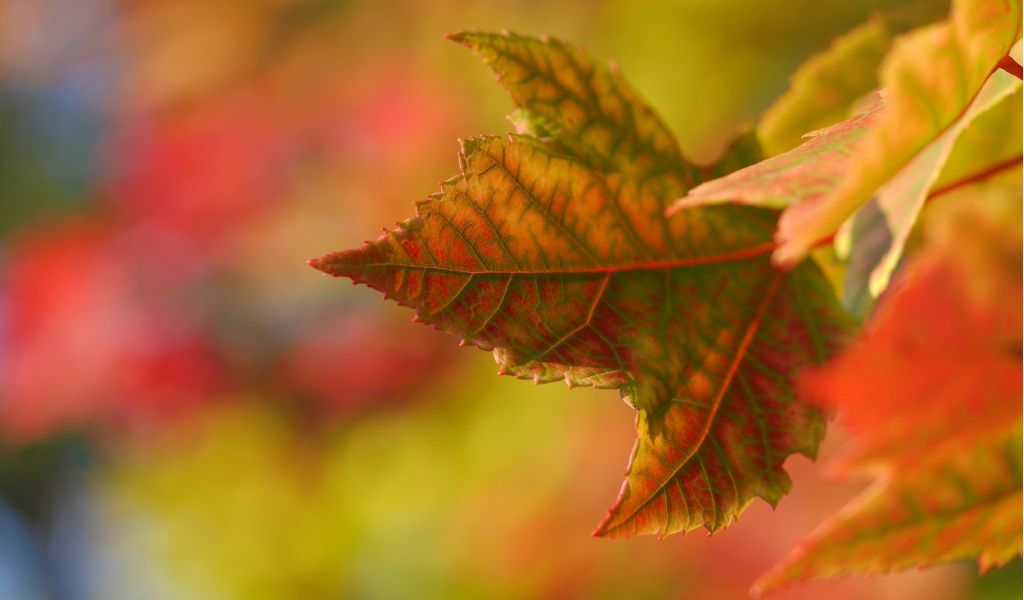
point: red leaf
(932, 393)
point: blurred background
(189, 411)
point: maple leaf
(556, 254)
(932, 395)
(930, 79)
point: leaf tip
(608, 529)
(610, 526)
(787, 255)
(471, 38)
(676, 206)
(755, 591)
(459, 37)
(467, 146)
(323, 264)
(698, 196)
(767, 582)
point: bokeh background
(188, 411)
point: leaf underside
(555, 253)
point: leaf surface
(584, 107)
(930, 79)
(556, 254)
(931, 393)
(804, 174)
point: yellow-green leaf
(900, 200)
(823, 89)
(931, 78)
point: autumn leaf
(556, 254)
(930, 79)
(931, 393)
(875, 236)
(586, 109)
(900, 201)
(808, 171)
(956, 503)
(823, 89)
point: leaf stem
(1010, 66)
(983, 174)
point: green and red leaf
(556, 254)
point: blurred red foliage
(355, 362)
(100, 327)
(940, 358)
(204, 171)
